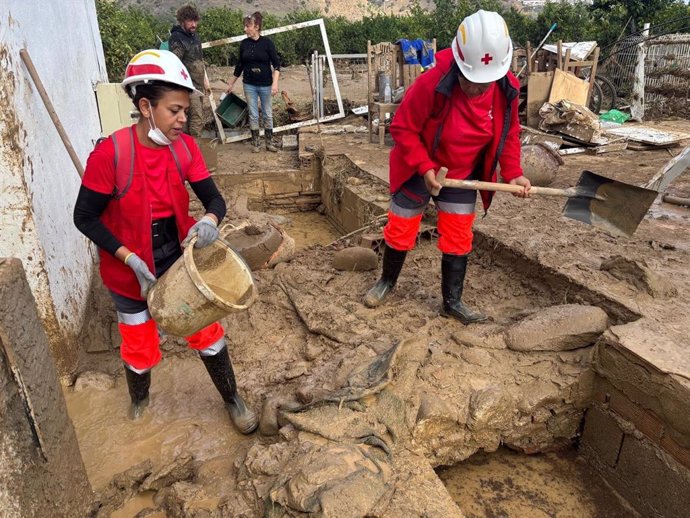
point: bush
(125, 32)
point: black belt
(163, 231)
(165, 243)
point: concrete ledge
(352, 197)
(41, 471)
(291, 189)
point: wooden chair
(381, 58)
(576, 68)
(386, 57)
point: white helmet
(482, 47)
(157, 65)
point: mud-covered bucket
(201, 287)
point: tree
(124, 32)
(639, 11)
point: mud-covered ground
(452, 390)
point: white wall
(38, 183)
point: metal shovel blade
(613, 206)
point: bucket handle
(203, 287)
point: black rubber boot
(256, 141)
(268, 137)
(138, 385)
(223, 377)
(393, 261)
(453, 269)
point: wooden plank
(648, 135)
(581, 133)
(608, 148)
(579, 51)
(572, 151)
(568, 86)
(638, 146)
(266, 32)
(532, 136)
(538, 89)
(592, 74)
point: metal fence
(351, 70)
(619, 67)
(667, 71)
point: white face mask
(155, 133)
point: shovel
(614, 206)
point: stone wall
(352, 197)
(294, 189)
(637, 431)
(41, 471)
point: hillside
(351, 9)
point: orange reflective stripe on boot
(140, 346)
(455, 233)
(401, 232)
(208, 336)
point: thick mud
(305, 353)
(309, 228)
(549, 485)
(186, 416)
(291, 350)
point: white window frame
(228, 135)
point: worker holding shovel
(461, 115)
(134, 206)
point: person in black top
(257, 54)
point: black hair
(153, 91)
(254, 18)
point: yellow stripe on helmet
(145, 53)
(462, 32)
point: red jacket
(129, 220)
(419, 127)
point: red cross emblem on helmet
(486, 58)
(184, 74)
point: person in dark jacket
(133, 204)
(463, 115)
(257, 55)
(185, 44)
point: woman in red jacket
(462, 114)
(134, 206)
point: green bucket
(232, 111)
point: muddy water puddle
(506, 484)
(310, 228)
(138, 503)
(185, 415)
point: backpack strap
(182, 156)
(123, 140)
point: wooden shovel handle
(501, 187)
(24, 54)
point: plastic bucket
(201, 287)
(232, 110)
